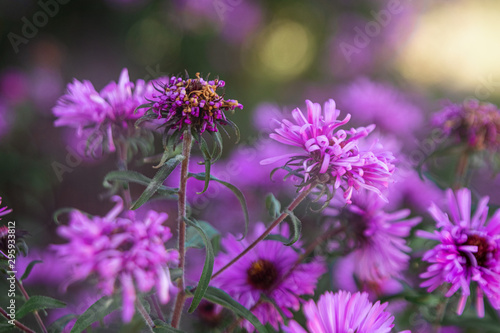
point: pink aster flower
(344, 313)
(105, 115)
(468, 251)
(331, 155)
(270, 268)
(121, 253)
(377, 237)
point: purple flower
(108, 113)
(383, 105)
(120, 252)
(4, 210)
(342, 312)
(270, 268)
(475, 123)
(378, 237)
(333, 156)
(468, 251)
(191, 102)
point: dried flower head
(120, 252)
(190, 102)
(468, 251)
(475, 123)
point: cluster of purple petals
(332, 155)
(279, 279)
(468, 251)
(473, 122)
(382, 105)
(4, 210)
(120, 252)
(105, 112)
(378, 237)
(192, 102)
(344, 312)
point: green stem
(35, 313)
(122, 151)
(16, 323)
(181, 295)
(461, 170)
(145, 315)
(283, 215)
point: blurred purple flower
(108, 112)
(13, 86)
(333, 157)
(4, 210)
(468, 251)
(194, 102)
(270, 269)
(43, 273)
(120, 252)
(377, 237)
(382, 105)
(474, 123)
(343, 312)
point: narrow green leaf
(29, 268)
(296, 228)
(96, 312)
(220, 297)
(236, 130)
(134, 177)
(59, 212)
(208, 267)
(218, 146)
(157, 181)
(193, 238)
(162, 327)
(58, 325)
(239, 195)
(38, 302)
(207, 157)
(273, 206)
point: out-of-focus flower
(382, 105)
(13, 86)
(122, 253)
(468, 251)
(109, 114)
(475, 123)
(377, 237)
(332, 156)
(4, 210)
(344, 312)
(190, 102)
(270, 268)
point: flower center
(262, 274)
(482, 248)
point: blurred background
(389, 62)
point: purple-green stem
(156, 305)
(181, 295)
(16, 323)
(461, 171)
(35, 313)
(283, 215)
(145, 315)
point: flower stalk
(181, 296)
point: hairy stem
(16, 323)
(122, 166)
(145, 315)
(283, 215)
(35, 313)
(181, 295)
(461, 170)
(156, 305)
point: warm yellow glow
(284, 50)
(456, 44)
